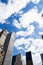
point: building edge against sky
(7, 44)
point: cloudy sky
(24, 18)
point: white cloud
(10, 8)
(30, 17)
(24, 41)
(20, 33)
(3, 21)
(41, 33)
(16, 24)
(36, 46)
(7, 9)
(35, 1)
(29, 31)
(38, 43)
(32, 48)
(20, 48)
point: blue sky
(24, 18)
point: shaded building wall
(8, 56)
(16, 60)
(29, 58)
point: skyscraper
(16, 60)
(29, 58)
(6, 47)
(3, 35)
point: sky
(24, 18)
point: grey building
(6, 47)
(16, 60)
(29, 58)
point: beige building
(3, 35)
(6, 47)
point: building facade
(3, 35)
(6, 47)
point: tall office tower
(16, 60)
(3, 35)
(42, 58)
(7, 43)
(29, 58)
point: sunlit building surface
(6, 47)
(42, 37)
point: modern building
(3, 35)
(16, 60)
(42, 58)
(6, 47)
(29, 58)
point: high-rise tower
(3, 35)
(6, 43)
